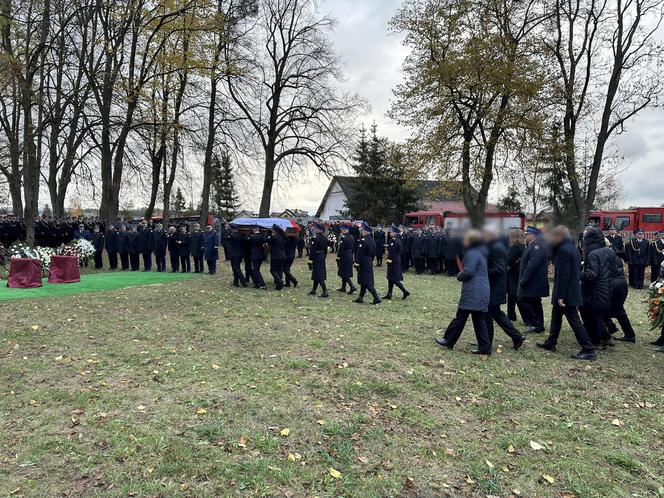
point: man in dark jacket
(196, 248)
(82, 233)
(184, 248)
(637, 254)
(145, 243)
(364, 256)
(394, 273)
(123, 247)
(497, 269)
(159, 243)
(257, 255)
(407, 242)
(379, 237)
(534, 280)
(345, 255)
(290, 243)
(433, 248)
(616, 242)
(112, 247)
(226, 240)
(566, 297)
(317, 257)
(419, 251)
(236, 252)
(277, 256)
(453, 250)
(619, 292)
(656, 256)
(134, 248)
(172, 244)
(98, 243)
(211, 249)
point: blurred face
(197, 226)
(96, 229)
(183, 229)
(209, 228)
(159, 226)
(639, 236)
(81, 227)
(612, 232)
(530, 237)
(171, 229)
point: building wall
(334, 204)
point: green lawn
(194, 388)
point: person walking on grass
(475, 295)
(533, 280)
(345, 253)
(566, 297)
(394, 273)
(211, 249)
(317, 257)
(364, 257)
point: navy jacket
(184, 241)
(277, 247)
(291, 246)
(123, 242)
(514, 255)
(210, 246)
(567, 274)
(134, 243)
(82, 234)
(366, 252)
(145, 240)
(98, 241)
(237, 243)
(196, 244)
(159, 242)
(112, 240)
(475, 292)
(256, 241)
(534, 271)
(394, 250)
(345, 253)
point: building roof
(439, 196)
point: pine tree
(225, 201)
(179, 203)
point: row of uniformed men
(639, 253)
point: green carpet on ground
(97, 282)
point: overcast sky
(373, 57)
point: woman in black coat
(596, 286)
(394, 273)
(514, 254)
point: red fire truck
(503, 220)
(648, 219)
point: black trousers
(654, 272)
(113, 260)
(290, 279)
(160, 260)
(256, 271)
(98, 260)
(379, 259)
(571, 313)
(391, 285)
(433, 265)
(405, 262)
(595, 323)
(419, 265)
(370, 288)
(617, 311)
(277, 272)
(185, 264)
(456, 326)
(497, 315)
(124, 260)
(451, 267)
(175, 261)
(532, 311)
(147, 261)
(198, 264)
(637, 274)
(249, 276)
(226, 256)
(512, 304)
(212, 266)
(238, 276)
(135, 262)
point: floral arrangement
(81, 248)
(3, 254)
(22, 250)
(656, 311)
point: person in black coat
(111, 245)
(407, 243)
(453, 250)
(433, 247)
(226, 240)
(596, 286)
(534, 280)
(300, 243)
(345, 255)
(82, 233)
(380, 239)
(257, 241)
(277, 256)
(656, 256)
(236, 250)
(619, 293)
(290, 242)
(616, 242)
(123, 247)
(394, 273)
(514, 255)
(566, 297)
(98, 243)
(172, 244)
(160, 244)
(317, 256)
(134, 248)
(637, 254)
(184, 248)
(497, 269)
(364, 256)
(419, 251)
(211, 248)
(146, 245)
(196, 248)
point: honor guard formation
(589, 285)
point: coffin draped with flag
(288, 226)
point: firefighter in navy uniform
(236, 250)
(111, 246)
(98, 240)
(257, 241)
(616, 242)
(277, 256)
(123, 247)
(159, 243)
(366, 251)
(317, 256)
(637, 253)
(196, 248)
(656, 256)
(290, 242)
(394, 273)
(345, 254)
(379, 237)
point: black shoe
(546, 345)
(312, 293)
(535, 330)
(387, 297)
(287, 285)
(608, 343)
(245, 284)
(585, 355)
(626, 339)
(352, 291)
(405, 295)
(359, 300)
(262, 288)
(325, 295)
(477, 351)
(660, 349)
(444, 343)
(295, 282)
(658, 342)
(517, 343)
(343, 289)
(376, 301)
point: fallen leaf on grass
(548, 478)
(243, 442)
(215, 366)
(335, 473)
(201, 411)
(285, 432)
(566, 494)
(489, 464)
(321, 422)
(363, 459)
(617, 422)
(35, 327)
(536, 446)
(294, 457)
(511, 449)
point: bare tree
(288, 91)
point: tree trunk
(268, 183)
(209, 148)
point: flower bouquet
(80, 248)
(22, 250)
(656, 303)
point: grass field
(195, 388)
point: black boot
(585, 355)
(325, 295)
(352, 290)
(405, 295)
(376, 300)
(387, 297)
(359, 300)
